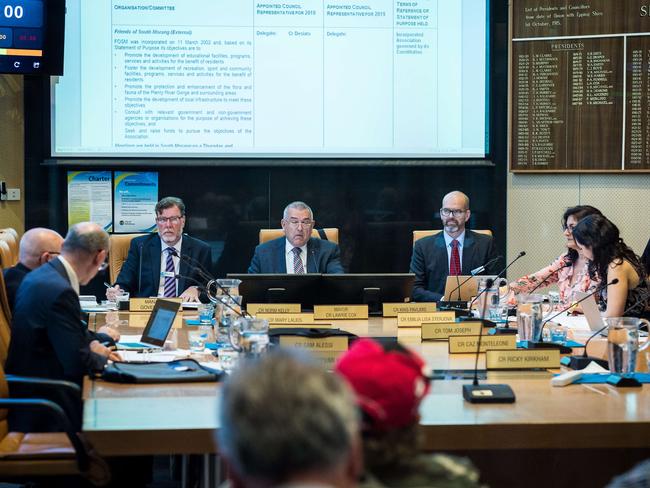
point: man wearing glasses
(37, 247)
(297, 252)
(48, 337)
(455, 251)
(168, 263)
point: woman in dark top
(609, 257)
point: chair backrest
(332, 234)
(5, 321)
(419, 234)
(6, 256)
(118, 251)
(10, 236)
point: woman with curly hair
(599, 240)
(569, 271)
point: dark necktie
(454, 262)
(298, 268)
(170, 281)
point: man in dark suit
(455, 251)
(48, 338)
(297, 252)
(37, 247)
(154, 261)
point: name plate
(392, 309)
(147, 304)
(459, 345)
(318, 344)
(446, 329)
(287, 318)
(340, 312)
(139, 320)
(417, 319)
(314, 325)
(256, 308)
(523, 359)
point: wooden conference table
(182, 418)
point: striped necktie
(298, 268)
(170, 281)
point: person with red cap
(390, 383)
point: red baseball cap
(389, 384)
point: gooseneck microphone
(201, 287)
(520, 255)
(196, 265)
(583, 360)
(476, 393)
(473, 273)
(565, 265)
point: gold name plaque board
(417, 319)
(340, 312)
(445, 329)
(460, 345)
(392, 309)
(147, 304)
(523, 359)
(258, 308)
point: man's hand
(191, 294)
(100, 349)
(113, 292)
(111, 332)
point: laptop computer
(591, 311)
(157, 328)
(462, 288)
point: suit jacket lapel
(185, 268)
(442, 258)
(469, 253)
(154, 248)
(280, 256)
(313, 253)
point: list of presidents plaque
(637, 115)
(567, 110)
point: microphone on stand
(201, 287)
(520, 255)
(476, 393)
(551, 345)
(140, 246)
(473, 273)
(196, 266)
(583, 360)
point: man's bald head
(38, 246)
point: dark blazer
(13, 278)
(431, 264)
(48, 339)
(146, 250)
(645, 258)
(322, 257)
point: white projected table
(303, 78)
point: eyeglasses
(171, 220)
(456, 212)
(52, 252)
(296, 222)
(103, 266)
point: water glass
(558, 334)
(250, 336)
(623, 343)
(530, 317)
(197, 338)
(228, 357)
(123, 300)
(206, 312)
(490, 302)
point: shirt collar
(288, 247)
(177, 246)
(460, 239)
(72, 274)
